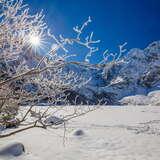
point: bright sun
(34, 40)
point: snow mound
(153, 98)
(135, 100)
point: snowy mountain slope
(138, 73)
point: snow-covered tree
(27, 77)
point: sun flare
(34, 40)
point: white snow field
(109, 133)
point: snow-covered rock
(53, 120)
(135, 100)
(13, 149)
(153, 98)
(79, 132)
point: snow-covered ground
(109, 133)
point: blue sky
(114, 21)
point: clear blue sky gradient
(114, 21)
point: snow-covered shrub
(28, 77)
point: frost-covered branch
(28, 78)
(113, 57)
(88, 42)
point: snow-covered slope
(138, 73)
